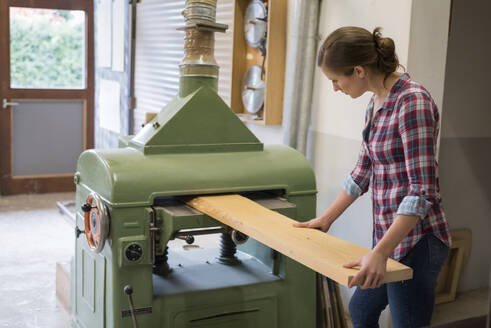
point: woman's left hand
(372, 270)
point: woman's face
(353, 85)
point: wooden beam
(317, 250)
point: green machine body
(141, 193)
(130, 210)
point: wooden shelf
(244, 56)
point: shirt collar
(389, 101)
(403, 80)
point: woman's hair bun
(387, 60)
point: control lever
(86, 209)
(78, 232)
(128, 290)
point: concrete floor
(470, 304)
(34, 236)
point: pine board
(319, 251)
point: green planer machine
(130, 203)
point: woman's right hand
(322, 223)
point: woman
(397, 159)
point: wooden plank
(328, 301)
(342, 314)
(275, 62)
(63, 284)
(455, 265)
(319, 251)
(239, 55)
(322, 312)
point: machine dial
(133, 252)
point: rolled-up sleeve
(418, 129)
(356, 183)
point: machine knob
(189, 239)
(128, 290)
(86, 207)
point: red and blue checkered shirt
(398, 160)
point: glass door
(46, 92)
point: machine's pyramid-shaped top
(199, 122)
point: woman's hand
(372, 270)
(322, 223)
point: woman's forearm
(338, 206)
(399, 229)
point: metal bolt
(76, 178)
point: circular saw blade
(254, 24)
(253, 89)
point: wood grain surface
(319, 251)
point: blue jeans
(411, 301)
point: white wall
(334, 113)
(428, 45)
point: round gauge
(254, 23)
(133, 252)
(253, 89)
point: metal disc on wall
(253, 90)
(254, 23)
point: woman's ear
(360, 72)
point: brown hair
(352, 46)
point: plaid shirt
(397, 159)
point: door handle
(8, 103)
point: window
(47, 48)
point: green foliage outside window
(47, 50)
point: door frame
(50, 182)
